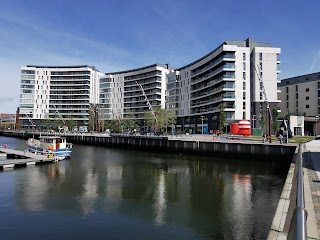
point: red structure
(234, 129)
(244, 127)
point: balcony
(228, 56)
(225, 67)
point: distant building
(121, 96)
(63, 92)
(300, 95)
(7, 120)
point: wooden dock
(17, 158)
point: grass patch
(294, 139)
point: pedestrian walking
(280, 137)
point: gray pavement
(312, 164)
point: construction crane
(263, 90)
(30, 120)
(150, 106)
(59, 114)
(96, 121)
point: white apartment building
(122, 97)
(300, 95)
(228, 75)
(64, 92)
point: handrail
(298, 224)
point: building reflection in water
(239, 208)
(37, 184)
(160, 200)
(216, 198)
(90, 192)
(114, 184)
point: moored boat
(53, 146)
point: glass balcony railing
(205, 67)
(213, 72)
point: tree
(222, 116)
(129, 122)
(150, 120)
(275, 115)
(262, 121)
(57, 123)
(71, 124)
(171, 119)
(47, 122)
(113, 125)
(164, 117)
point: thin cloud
(315, 61)
(102, 48)
(7, 99)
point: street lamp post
(317, 118)
(202, 117)
(253, 120)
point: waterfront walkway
(282, 220)
(312, 164)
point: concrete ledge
(274, 235)
(312, 228)
(279, 219)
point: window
(307, 98)
(244, 56)
(244, 75)
(296, 88)
(244, 66)
(287, 104)
(244, 86)
(307, 89)
(287, 97)
(297, 96)
(260, 95)
(260, 56)
(244, 96)
(287, 89)
(297, 105)
(307, 106)
(261, 66)
(318, 93)
(318, 84)
(244, 105)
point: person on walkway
(264, 138)
(280, 138)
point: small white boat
(53, 146)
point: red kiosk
(244, 127)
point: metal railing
(298, 224)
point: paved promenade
(312, 164)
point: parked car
(317, 137)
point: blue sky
(118, 35)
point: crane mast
(263, 90)
(149, 104)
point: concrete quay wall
(159, 144)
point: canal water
(109, 193)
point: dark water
(103, 193)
